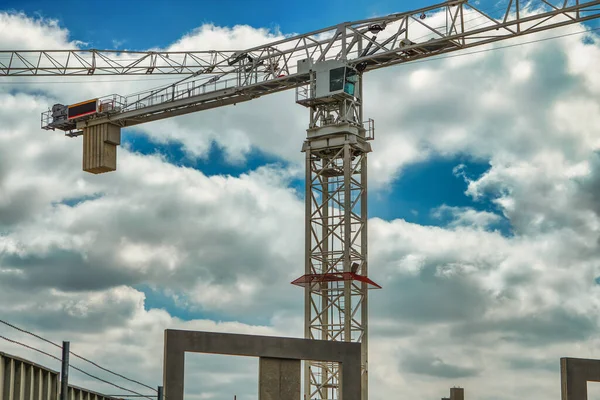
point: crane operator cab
(333, 89)
(342, 78)
(334, 80)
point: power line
(114, 373)
(31, 348)
(30, 333)
(76, 355)
(75, 368)
(110, 383)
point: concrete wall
(21, 379)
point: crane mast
(335, 279)
(326, 68)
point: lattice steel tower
(335, 279)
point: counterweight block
(100, 148)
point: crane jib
(268, 69)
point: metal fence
(21, 379)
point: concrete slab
(575, 373)
(177, 342)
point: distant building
(456, 394)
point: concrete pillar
(19, 388)
(457, 394)
(278, 379)
(100, 148)
(173, 369)
(575, 373)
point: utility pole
(64, 377)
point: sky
(484, 216)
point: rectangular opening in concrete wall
(213, 376)
(593, 390)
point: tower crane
(326, 68)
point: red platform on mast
(333, 277)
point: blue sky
(157, 23)
(413, 197)
(139, 24)
(421, 188)
(142, 24)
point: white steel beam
(335, 42)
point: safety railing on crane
(185, 89)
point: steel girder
(392, 39)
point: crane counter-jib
(167, 102)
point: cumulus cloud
(73, 246)
(434, 366)
(462, 304)
(42, 33)
(114, 330)
(465, 216)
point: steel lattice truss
(337, 244)
(219, 78)
(454, 25)
(336, 235)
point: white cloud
(480, 304)
(465, 216)
(212, 37)
(41, 33)
(113, 329)
(484, 307)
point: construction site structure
(22, 379)
(326, 68)
(456, 393)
